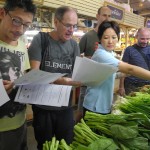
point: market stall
(122, 13)
(126, 128)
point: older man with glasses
(55, 53)
(15, 18)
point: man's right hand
(8, 85)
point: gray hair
(59, 13)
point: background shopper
(138, 55)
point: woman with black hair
(99, 98)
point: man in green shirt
(15, 18)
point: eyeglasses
(69, 26)
(17, 22)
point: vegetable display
(127, 130)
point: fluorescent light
(78, 33)
(29, 38)
(32, 32)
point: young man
(58, 57)
(15, 18)
(88, 44)
(139, 55)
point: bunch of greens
(137, 102)
(86, 139)
(56, 145)
(124, 129)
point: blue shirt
(99, 98)
(133, 57)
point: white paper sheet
(37, 77)
(90, 72)
(48, 94)
(3, 94)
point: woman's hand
(8, 85)
(121, 91)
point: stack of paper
(34, 88)
(90, 72)
(48, 94)
(37, 77)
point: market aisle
(30, 132)
(30, 138)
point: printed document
(3, 94)
(90, 72)
(47, 94)
(37, 77)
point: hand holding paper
(8, 86)
(67, 81)
(35, 89)
(90, 72)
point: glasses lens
(71, 26)
(26, 26)
(16, 22)
(75, 26)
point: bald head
(143, 36)
(103, 13)
(101, 9)
(143, 30)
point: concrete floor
(32, 144)
(30, 132)
(30, 138)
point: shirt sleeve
(76, 49)
(105, 57)
(82, 44)
(35, 48)
(27, 63)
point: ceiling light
(141, 4)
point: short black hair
(108, 24)
(59, 13)
(27, 5)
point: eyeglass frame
(20, 23)
(68, 26)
